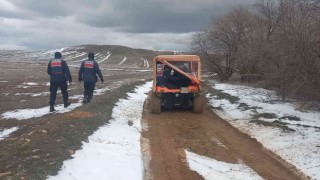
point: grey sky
(152, 24)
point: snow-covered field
(280, 127)
(113, 151)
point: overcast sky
(151, 24)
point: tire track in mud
(168, 134)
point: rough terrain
(206, 134)
(40, 145)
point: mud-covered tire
(155, 104)
(198, 104)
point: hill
(106, 54)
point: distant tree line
(275, 43)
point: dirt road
(170, 133)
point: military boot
(52, 108)
(66, 104)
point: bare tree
(220, 43)
(277, 42)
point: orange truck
(176, 83)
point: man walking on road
(59, 75)
(88, 72)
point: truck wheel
(198, 104)
(155, 104)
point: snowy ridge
(113, 151)
(291, 134)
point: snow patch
(124, 60)
(35, 94)
(78, 60)
(6, 132)
(27, 85)
(22, 94)
(212, 169)
(145, 70)
(30, 83)
(145, 63)
(106, 58)
(76, 56)
(113, 151)
(53, 51)
(299, 146)
(22, 114)
(100, 91)
(40, 94)
(115, 69)
(86, 58)
(68, 53)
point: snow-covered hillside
(107, 54)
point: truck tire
(155, 104)
(198, 104)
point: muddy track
(171, 132)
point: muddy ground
(41, 144)
(172, 132)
